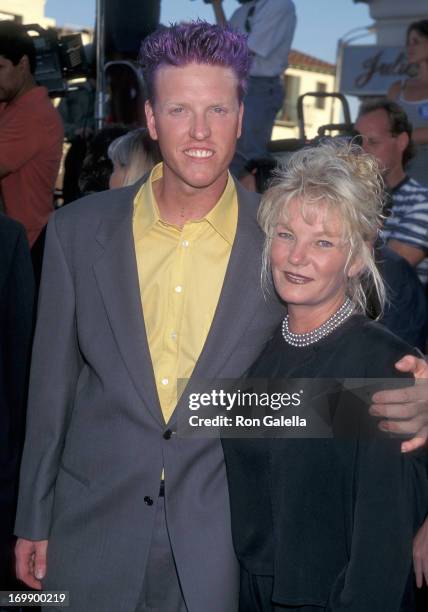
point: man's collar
(219, 217)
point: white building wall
(393, 16)
(314, 117)
(30, 11)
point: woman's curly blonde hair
(340, 176)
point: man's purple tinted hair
(195, 42)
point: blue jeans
(262, 102)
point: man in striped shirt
(386, 133)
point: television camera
(58, 58)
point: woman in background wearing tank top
(412, 96)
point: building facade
(26, 11)
(304, 74)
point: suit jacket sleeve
(55, 367)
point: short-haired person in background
(132, 155)
(31, 137)
(325, 524)
(387, 134)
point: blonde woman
(324, 524)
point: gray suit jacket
(95, 448)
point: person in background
(16, 330)
(31, 137)
(270, 26)
(386, 133)
(132, 155)
(412, 96)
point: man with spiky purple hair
(143, 286)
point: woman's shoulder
(410, 91)
(375, 332)
(359, 348)
(378, 347)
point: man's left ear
(403, 141)
(150, 120)
(24, 63)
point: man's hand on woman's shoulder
(406, 410)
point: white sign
(369, 70)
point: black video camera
(58, 59)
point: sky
(320, 22)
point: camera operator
(31, 135)
(270, 25)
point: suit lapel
(117, 278)
(239, 297)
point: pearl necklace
(320, 332)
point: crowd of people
(169, 266)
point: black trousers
(255, 592)
(256, 596)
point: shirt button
(167, 434)
(178, 289)
(174, 335)
(148, 501)
(185, 243)
(165, 381)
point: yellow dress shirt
(181, 273)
